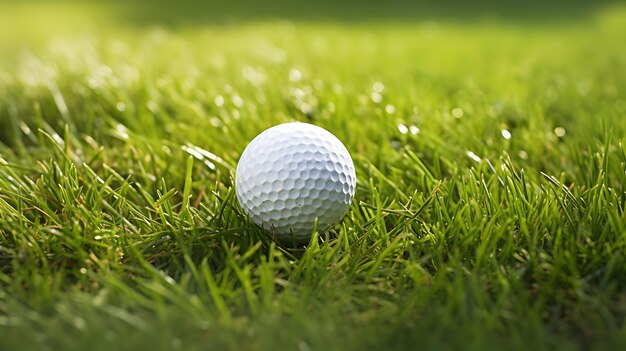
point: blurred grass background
(20, 20)
(138, 12)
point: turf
(490, 204)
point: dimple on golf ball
(292, 176)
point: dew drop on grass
(298, 93)
(306, 108)
(403, 129)
(391, 109)
(57, 138)
(120, 106)
(193, 152)
(378, 87)
(25, 129)
(219, 101)
(560, 132)
(506, 134)
(523, 155)
(169, 280)
(215, 122)
(414, 130)
(295, 75)
(83, 270)
(473, 156)
(237, 101)
(121, 131)
(376, 97)
(457, 112)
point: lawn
(490, 202)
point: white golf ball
(292, 175)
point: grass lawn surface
(490, 201)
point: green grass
(119, 228)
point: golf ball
(292, 176)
